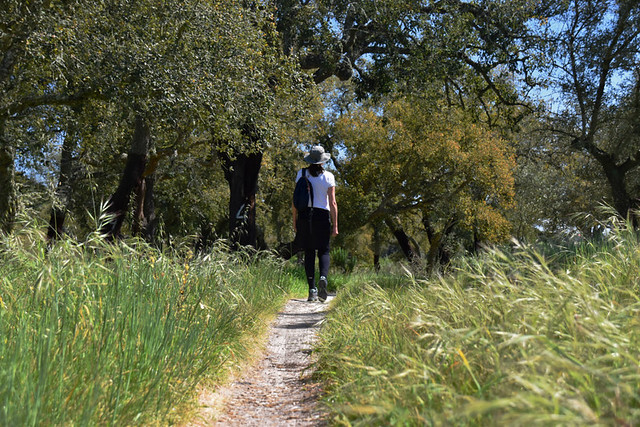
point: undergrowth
(506, 339)
(121, 334)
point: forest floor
(278, 388)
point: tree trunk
(138, 213)
(144, 217)
(412, 254)
(437, 254)
(150, 223)
(241, 172)
(131, 180)
(145, 222)
(377, 245)
(616, 177)
(64, 190)
(7, 183)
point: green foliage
(199, 72)
(415, 155)
(553, 184)
(341, 258)
(404, 42)
(121, 334)
(510, 338)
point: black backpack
(303, 192)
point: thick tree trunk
(138, 213)
(7, 183)
(131, 180)
(150, 223)
(241, 172)
(377, 245)
(145, 222)
(622, 202)
(437, 254)
(64, 190)
(616, 174)
(144, 218)
(411, 253)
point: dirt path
(278, 390)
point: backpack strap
(309, 190)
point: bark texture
(7, 184)
(437, 254)
(131, 180)
(377, 245)
(150, 222)
(241, 172)
(411, 252)
(64, 190)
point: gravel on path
(278, 390)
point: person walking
(315, 225)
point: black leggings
(310, 261)
(314, 237)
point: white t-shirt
(320, 185)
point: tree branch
(49, 99)
(484, 73)
(608, 58)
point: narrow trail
(278, 390)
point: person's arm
(333, 210)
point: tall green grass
(507, 339)
(121, 334)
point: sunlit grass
(121, 334)
(507, 339)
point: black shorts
(314, 229)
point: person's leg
(309, 267)
(303, 237)
(323, 261)
(323, 264)
(321, 238)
